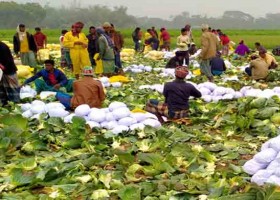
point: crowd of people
(99, 52)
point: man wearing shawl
(77, 42)
(25, 46)
(177, 94)
(106, 52)
(9, 88)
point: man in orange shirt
(40, 39)
(86, 91)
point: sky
(166, 8)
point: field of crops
(82, 156)
(269, 38)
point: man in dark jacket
(180, 58)
(9, 88)
(53, 79)
(92, 44)
(25, 46)
(177, 94)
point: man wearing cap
(209, 47)
(269, 59)
(181, 58)
(86, 91)
(177, 94)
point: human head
(218, 54)
(181, 72)
(92, 30)
(180, 55)
(21, 27)
(107, 26)
(38, 29)
(87, 71)
(241, 42)
(257, 44)
(162, 29)
(100, 31)
(262, 52)
(183, 31)
(137, 29)
(63, 32)
(49, 65)
(153, 28)
(78, 26)
(204, 27)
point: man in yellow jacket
(77, 42)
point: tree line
(34, 14)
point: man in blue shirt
(53, 79)
(217, 64)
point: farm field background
(268, 38)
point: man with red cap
(177, 94)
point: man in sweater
(209, 47)
(177, 94)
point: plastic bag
(261, 176)
(266, 156)
(99, 66)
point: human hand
(2, 67)
(57, 86)
(78, 43)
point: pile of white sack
(117, 117)
(27, 92)
(212, 92)
(138, 68)
(106, 83)
(37, 107)
(265, 165)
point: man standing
(40, 39)
(209, 47)
(118, 41)
(25, 46)
(86, 91)
(92, 44)
(77, 42)
(165, 37)
(53, 79)
(177, 94)
(9, 88)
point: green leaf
(15, 120)
(20, 177)
(130, 192)
(28, 164)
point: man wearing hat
(209, 47)
(181, 58)
(86, 91)
(176, 95)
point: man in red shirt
(165, 37)
(40, 39)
